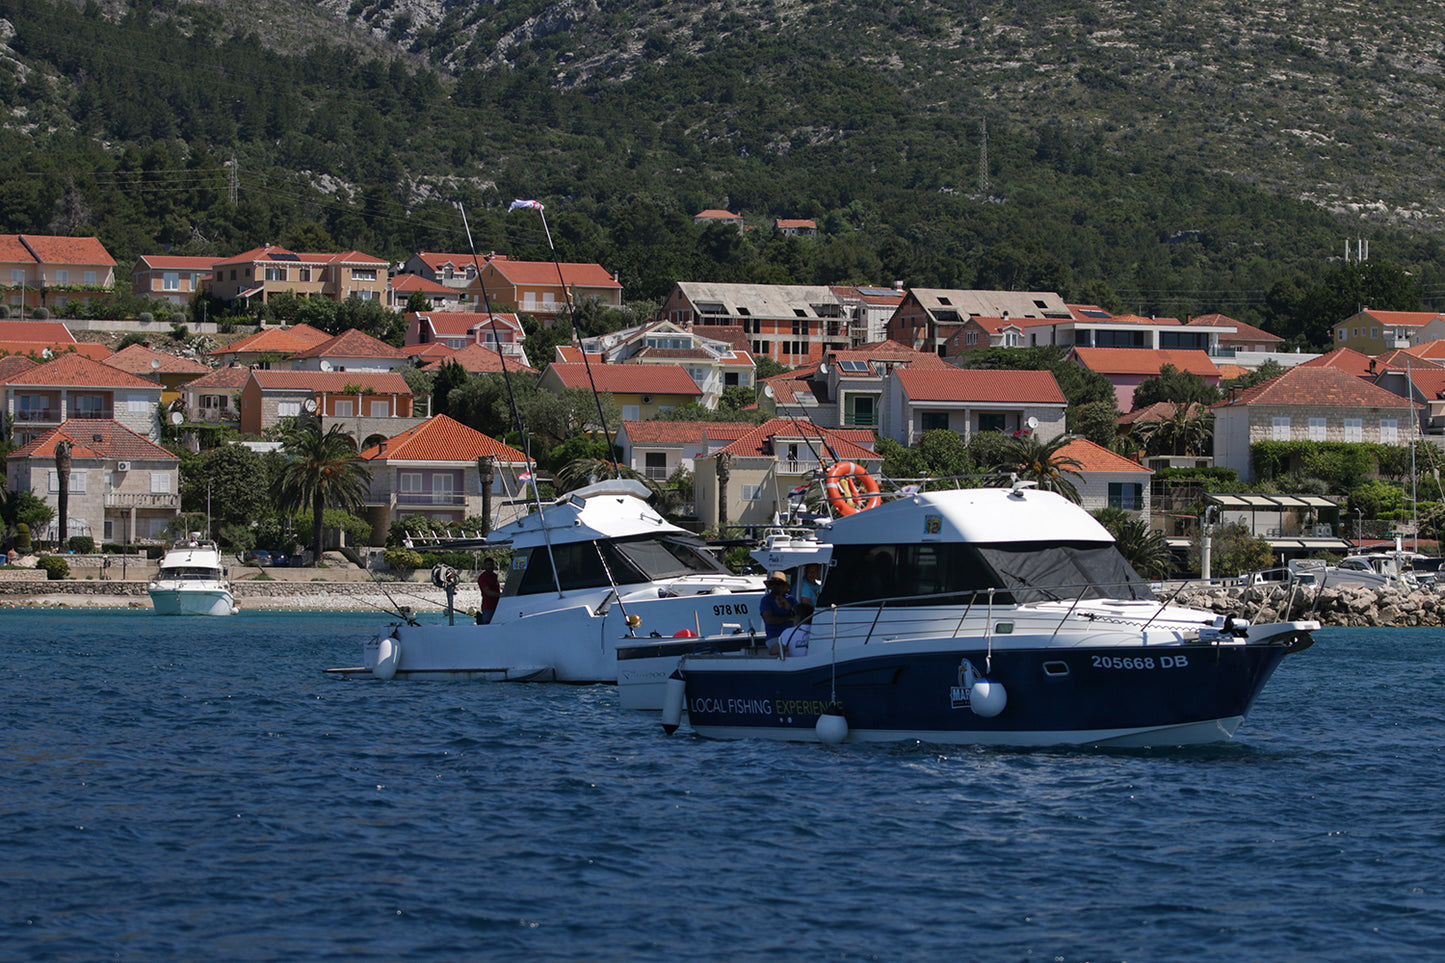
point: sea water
(189, 789)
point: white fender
(987, 699)
(673, 694)
(832, 725)
(388, 654)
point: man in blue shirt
(777, 606)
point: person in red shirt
(491, 590)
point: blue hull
(1132, 696)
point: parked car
(258, 556)
(281, 561)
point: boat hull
(192, 601)
(1123, 696)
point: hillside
(1153, 157)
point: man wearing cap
(777, 607)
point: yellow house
(1373, 332)
(264, 271)
(642, 390)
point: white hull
(191, 600)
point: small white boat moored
(192, 581)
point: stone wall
(1339, 605)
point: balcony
(861, 420)
(154, 500)
(430, 498)
(654, 473)
(35, 415)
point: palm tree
(1188, 431)
(1039, 462)
(320, 470)
(1146, 549)
(62, 497)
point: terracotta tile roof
(115, 441)
(1088, 312)
(432, 351)
(1137, 319)
(161, 262)
(93, 350)
(353, 344)
(980, 385)
(282, 341)
(1346, 359)
(1096, 458)
(14, 364)
(544, 273)
(674, 354)
(759, 441)
(796, 222)
(1400, 319)
(713, 213)
(571, 354)
(441, 439)
(1242, 331)
(13, 252)
(407, 283)
(346, 257)
(732, 334)
(678, 433)
(657, 379)
(437, 260)
(455, 324)
(1145, 361)
(1434, 350)
(75, 371)
(479, 359)
(1317, 387)
(137, 359)
(1158, 411)
(46, 332)
(231, 377)
(1228, 372)
(1398, 359)
(1430, 382)
(332, 382)
(54, 249)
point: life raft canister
(851, 489)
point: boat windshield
(185, 572)
(630, 562)
(933, 574)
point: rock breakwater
(1338, 605)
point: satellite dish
(823, 367)
(1032, 422)
(155, 363)
(310, 405)
(767, 391)
(325, 365)
(177, 417)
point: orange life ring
(851, 489)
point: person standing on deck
(491, 590)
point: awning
(250, 291)
(1272, 502)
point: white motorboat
(192, 581)
(1002, 616)
(593, 567)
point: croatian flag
(525, 478)
(534, 205)
(798, 492)
(911, 489)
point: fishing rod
(572, 318)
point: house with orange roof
(846, 389)
(1244, 337)
(170, 372)
(659, 449)
(457, 329)
(351, 350)
(14, 364)
(542, 289)
(261, 272)
(432, 470)
(454, 271)
(269, 346)
(795, 227)
(714, 365)
(401, 287)
(794, 324)
(369, 405)
(752, 476)
(47, 270)
(1371, 331)
(642, 390)
(971, 400)
(1109, 479)
(1309, 403)
(170, 277)
(215, 398)
(1128, 368)
(715, 215)
(123, 486)
(71, 387)
(1345, 359)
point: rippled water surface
(178, 789)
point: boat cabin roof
(988, 515)
(606, 510)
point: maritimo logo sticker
(932, 524)
(958, 694)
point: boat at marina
(988, 616)
(192, 580)
(594, 567)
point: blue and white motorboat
(985, 616)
